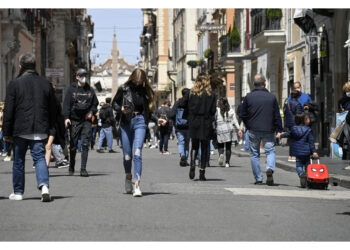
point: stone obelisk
(114, 66)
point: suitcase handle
(318, 160)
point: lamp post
(148, 36)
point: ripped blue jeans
(133, 136)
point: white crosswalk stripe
(314, 194)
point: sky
(128, 23)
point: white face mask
(298, 90)
(348, 94)
(82, 79)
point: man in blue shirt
(304, 98)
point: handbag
(334, 135)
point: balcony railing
(261, 23)
(225, 46)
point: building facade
(59, 38)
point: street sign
(54, 72)
(204, 27)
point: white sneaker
(153, 146)
(16, 197)
(137, 191)
(4, 154)
(8, 158)
(227, 165)
(166, 153)
(45, 195)
(128, 186)
(221, 160)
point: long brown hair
(139, 74)
(201, 84)
(224, 106)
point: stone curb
(335, 180)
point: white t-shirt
(35, 137)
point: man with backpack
(107, 119)
(163, 114)
(80, 104)
(180, 114)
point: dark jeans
(163, 138)
(37, 150)
(80, 130)
(221, 149)
(93, 136)
(301, 164)
(204, 150)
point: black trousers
(204, 151)
(221, 149)
(81, 130)
(163, 138)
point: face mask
(348, 94)
(298, 90)
(82, 79)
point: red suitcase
(317, 175)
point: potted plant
(234, 39)
(200, 61)
(273, 17)
(192, 63)
(207, 53)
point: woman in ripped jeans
(134, 103)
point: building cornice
(296, 46)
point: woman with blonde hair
(344, 102)
(134, 102)
(202, 108)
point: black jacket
(202, 111)
(59, 130)
(107, 116)
(260, 111)
(124, 92)
(79, 101)
(30, 106)
(164, 113)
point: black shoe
(84, 173)
(183, 162)
(194, 154)
(269, 180)
(202, 175)
(62, 164)
(303, 180)
(112, 151)
(99, 151)
(192, 172)
(258, 183)
(71, 171)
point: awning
(304, 19)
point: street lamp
(148, 36)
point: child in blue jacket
(302, 143)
